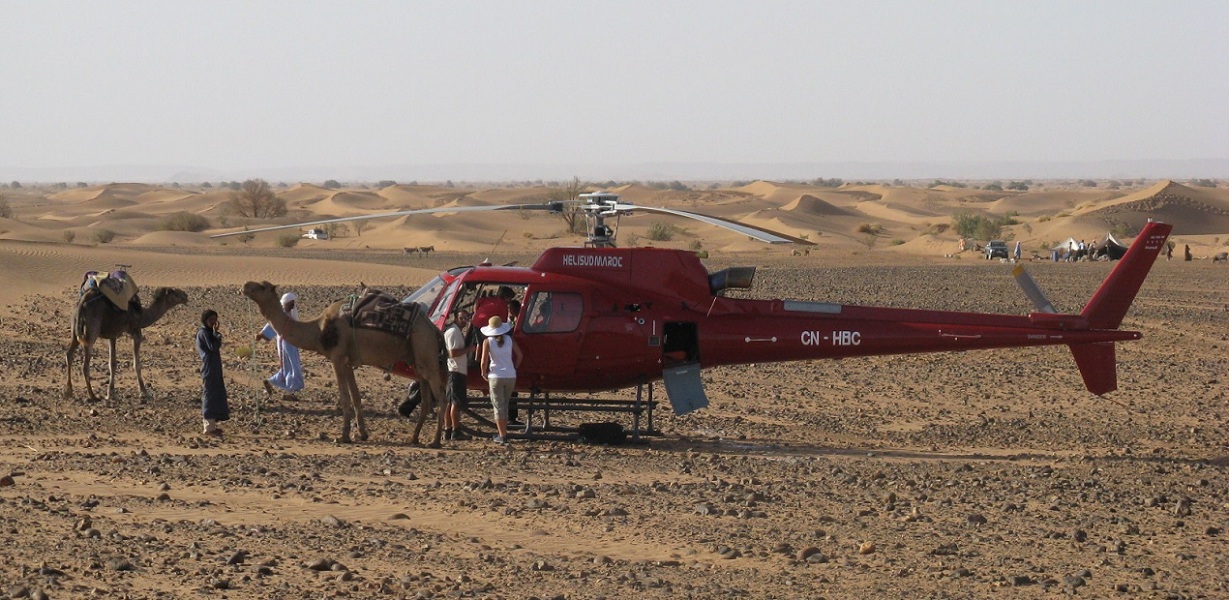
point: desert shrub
(661, 232)
(981, 226)
(68, 235)
(255, 199)
(1124, 230)
(386, 183)
(829, 183)
(6, 211)
(331, 184)
(694, 245)
(1209, 183)
(184, 221)
(104, 236)
(870, 228)
(288, 240)
(246, 237)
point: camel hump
(117, 286)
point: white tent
(1070, 244)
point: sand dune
(1044, 214)
(810, 205)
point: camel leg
(356, 404)
(441, 398)
(112, 361)
(432, 387)
(345, 376)
(68, 368)
(424, 405)
(136, 364)
(87, 350)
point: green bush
(288, 240)
(69, 236)
(661, 232)
(184, 221)
(104, 236)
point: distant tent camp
(1111, 247)
(1069, 244)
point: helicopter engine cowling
(733, 277)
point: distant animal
(424, 250)
(332, 335)
(95, 317)
(1222, 257)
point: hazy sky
(283, 84)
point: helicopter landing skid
(544, 407)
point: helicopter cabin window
(553, 312)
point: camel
(331, 335)
(96, 318)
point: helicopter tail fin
(1109, 305)
(1097, 366)
(1097, 362)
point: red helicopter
(600, 317)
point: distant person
(289, 378)
(458, 370)
(493, 306)
(1186, 253)
(214, 405)
(498, 363)
(1017, 251)
(1169, 250)
(514, 309)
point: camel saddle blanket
(117, 286)
(374, 309)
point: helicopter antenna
(501, 238)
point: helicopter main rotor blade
(1032, 290)
(759, 233)
(550, 206)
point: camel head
(259, 292)
(171, 296)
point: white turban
(291, 297)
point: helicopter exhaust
(733, 277)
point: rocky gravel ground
(987, 474)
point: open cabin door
(680, 370)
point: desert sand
(974, 475)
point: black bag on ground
(602, 433)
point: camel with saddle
(108, 307)
(336, 334)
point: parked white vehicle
(316, 234)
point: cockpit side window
(553, 312)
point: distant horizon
(679, 171)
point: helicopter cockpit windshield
(430, 294)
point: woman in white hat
(499, 360)
(289, 378)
